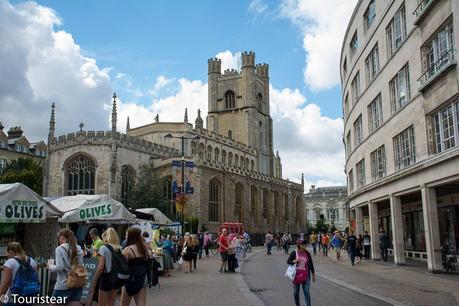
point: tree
(25, 171)
(147, 192)
(321, 225)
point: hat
(187, 234)
(301, 241)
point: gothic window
(236, 160)
(230, 159)
(201, 151)
(247, 164)
(217, 154)
(209, 153)
(317, 213)
(81, 175)
(230, 100)
(193, 148)
(224, 157)
(286, 208)
(214, 196)
(253, 204)
(252, 165)
(266, 205)
(238, 196)
(127, 182)
(260, 102)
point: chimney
(15, 132)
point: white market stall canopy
(157, 214)
(20, 204)
(92, 208)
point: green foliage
(192, 225)
(321, 225)
(25, 171)
(147, 192)
(310, 229)
(166, 231)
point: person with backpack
(137, 256)
(304, 267)
(19, 274)
(67, 254)
(112, 269)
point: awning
(20, 204)
(157, 214)
(92, 208)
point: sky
(153, 54)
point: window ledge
(424, 7)
(425, 81)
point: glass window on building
(414, 235)
(358, 131)
(404, 149)
(399, 88)
(446, 127)
(370, 14)
(396, 31)
(448, 218)
(354, 45)
(360, 168)
(375, 113)
(372, 64)
(378, 163)
(350, 180)
(348, 144)
(355, 88)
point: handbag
(291, 272)
(76, 278)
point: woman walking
(302, 260)
(336, 243)
(137, 255)
(187, 252)
(67, 254)
(168, 249)
(194, 250)
(107, 290)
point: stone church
(231, 171)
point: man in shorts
(223, 245)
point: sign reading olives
(95, 212)
(19, 210)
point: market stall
(29, 219)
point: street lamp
(182, 162)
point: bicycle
(214, 247)
(449, 258)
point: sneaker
(221, 270)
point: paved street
(265, 276)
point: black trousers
(366, 250)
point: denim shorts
(73, 295)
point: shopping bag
(291, 272)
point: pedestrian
(180, 242)
(201, 243)
(147, 240)
(302, 260)
(313, 240)
(359, 248)
(187, 252)
(68, 253)
(383, 244)
(336, 242)
(107, 289)
(325, 240)
(137, 255)
(195, 250)
(269, 242)
(286, 239)
(239, 245)
(223, 246)
(18, 264)
(232, 261)
(351, 246)
(319, 240)
(366, 245)
(96, 242)
(168, 248)
(206, 242)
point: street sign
(178, 163)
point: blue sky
(145, 39)
(154, 55)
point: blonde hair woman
(187, 252)
(107, 290)
(195, 249)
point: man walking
(201, 243)
(286, 242)
(383, 244)
(366, 245)
(325, 241)
(269, 242)
(313, 241)
(223, 245)
(351, 246)
(319, 240)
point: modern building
(329, 202)
(401, 124)
(231, 172)
(14, 145)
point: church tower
(239, 106)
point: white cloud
(323, 24)
(40, 65)
(257, 7)
(229, 60)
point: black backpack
(152, 272)
(119, 273)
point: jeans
(206, 248)
(269, 246)
(296, 292)
(325, 249)
(351, 252)
(366, 249)
(314, 248)
(384, 254)
(200, 251)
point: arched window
(236, 160)
(209, 153)
(260, 102)
(201, 151)
(217, 154)
(266, 205)
(252, 165)
(224, 157)
(241, 162)
(247, 163)
(286, 208)
(276, 203)
(230, 134)
(214, 200)
(253, 204)
(81, 175)
(230, 159)
(230, 100)
(317, 213)
(332, 213)
(193, 148)
(238, 196)
(127, 183)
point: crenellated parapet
(211, 135)
(214, 65)
(107, 138)
(248, 59)
(262, 70)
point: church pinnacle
(186, 116)
(199, 123)
(52, 124)
(114, 113)
(128, 126)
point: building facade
(14, 145)
(230, 173)
(401, 131)
(329, 202)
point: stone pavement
(406, 285)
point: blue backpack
(25, 283)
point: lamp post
(182, 164)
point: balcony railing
(446, 61)
(422, 8)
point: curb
(361, 291)
(251, 297)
